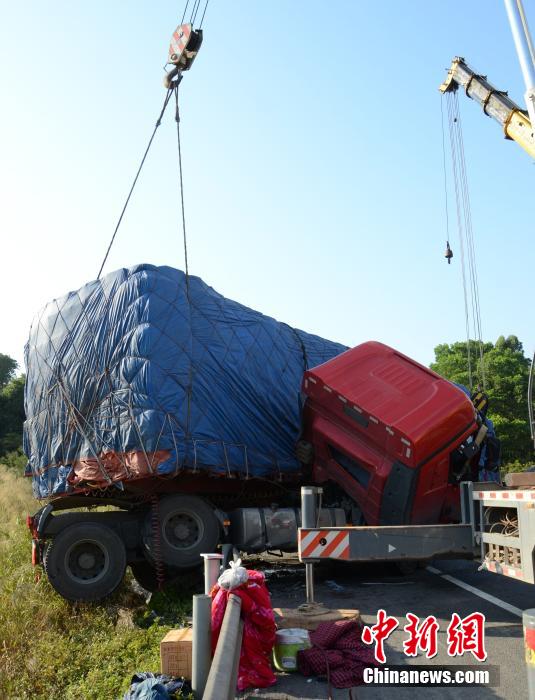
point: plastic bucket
(287, 644)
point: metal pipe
(201, 656)
(308, 506)
(228, 554)
(530, 399)
(309, 520)
(524, 51)
(522, 39)
(309, 580)
(221, 676)
(212, 566)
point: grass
(52, 649)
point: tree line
(11, 406)
(500, 369)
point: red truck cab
(388, 431)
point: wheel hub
(183, 530)
(86, 562)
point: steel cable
(461, 236)
(445, 171)
(204, 12)
(194, 11)
(184, 13)
(469, 232)
(158, 122)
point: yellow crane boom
(496, 103)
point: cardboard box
(175, 653)
(286, 618)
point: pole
(308, 520)
(212, 566)
(221, 677)
(524, 51)
(201, 656)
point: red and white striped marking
(505, 495)
(323, 544)
(511, 571)
(179, 41)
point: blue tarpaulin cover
(140, 373)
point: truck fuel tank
(259, 529)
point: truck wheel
(188, 527)
(145, 575)
(85, 562)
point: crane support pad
(148, 373)
(393, 542)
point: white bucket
(287, 643)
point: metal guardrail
(223, 676)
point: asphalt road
(426, 592)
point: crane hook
(449, 252)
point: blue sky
(312, 154)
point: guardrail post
(212, 566)
(201, 655)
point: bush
(51, 649)
(15, 460)
(516, 465)
(10, 442)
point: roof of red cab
(398, 391)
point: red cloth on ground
(258, 630)
(337, 653)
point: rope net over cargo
(131, 377)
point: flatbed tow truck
(497, 529)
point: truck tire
(145, 575)
(85, 562)
(188, 527)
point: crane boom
(496, 103)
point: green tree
(8, 367)
(504, 375)
(11, 406)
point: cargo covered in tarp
(147, 372)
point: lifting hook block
(183, 49)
